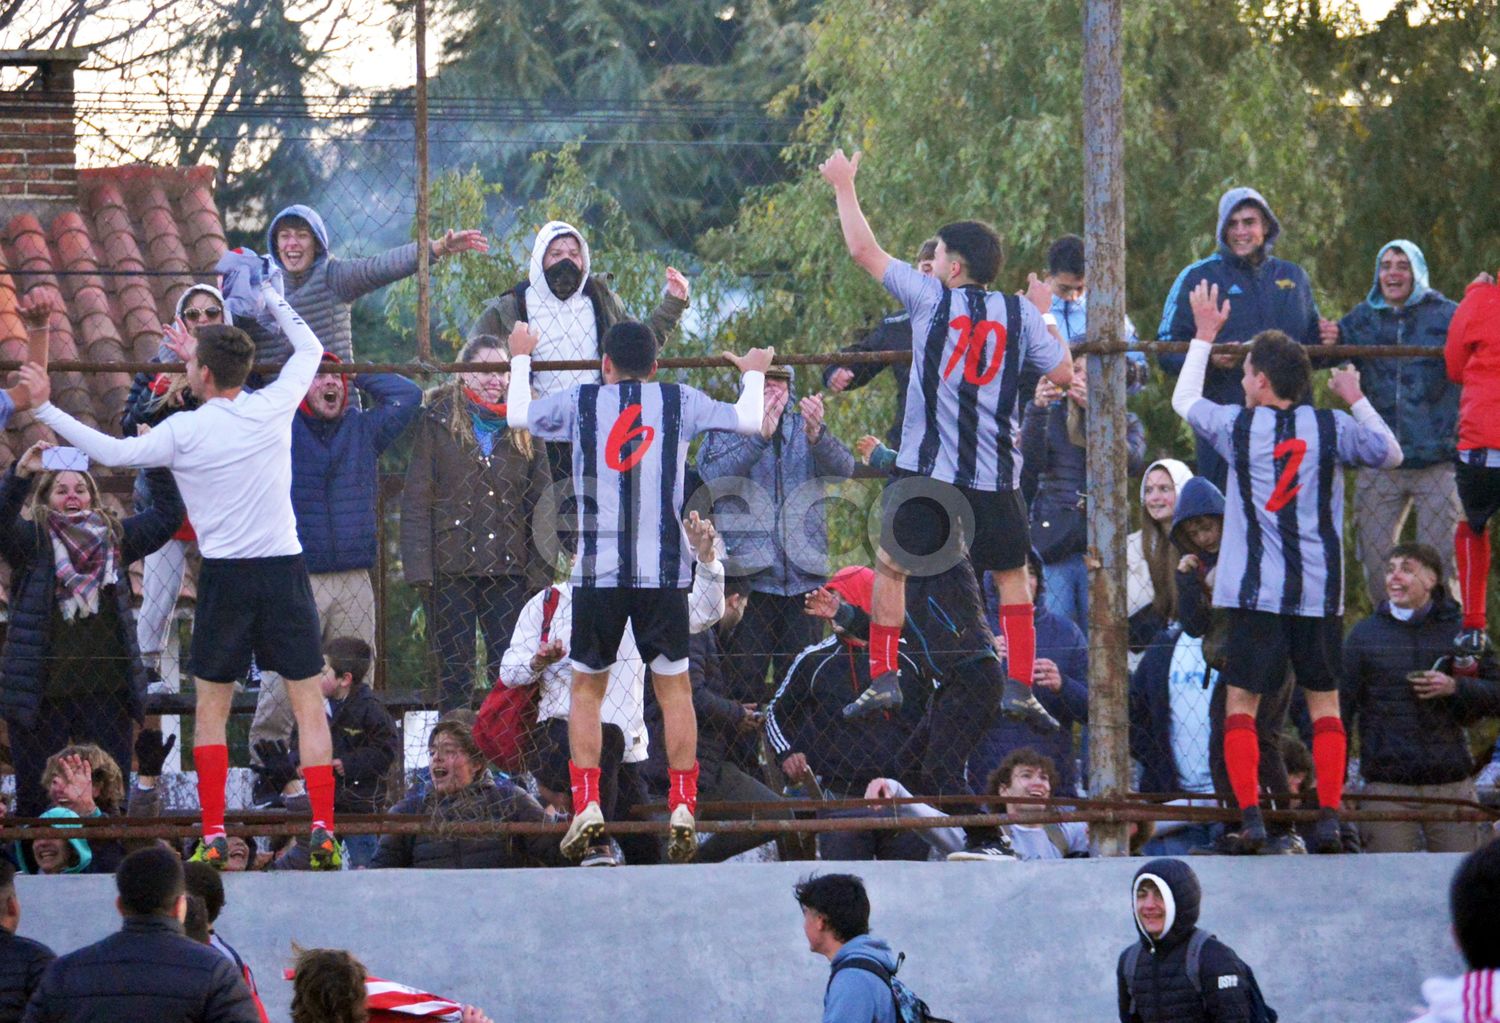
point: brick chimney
(38, 165)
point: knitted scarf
(488, 419)
(83, 551)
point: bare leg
(675, 695)
(584, 738)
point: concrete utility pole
(424, 235)
(1108, 482)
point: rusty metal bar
(424, 234)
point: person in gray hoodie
(321, 287)
(1419, 402)
(836, 921)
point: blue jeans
(361, 849)
(1067, 590)
(1182, 841)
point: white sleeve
(1365, 415)
(297, 374)
(750, 409)
(706, 600)
(525, 641)
(518, 392)
(154, 450)
(1190, 381)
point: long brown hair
(328, 986)
(105, 775)
(39, 511)
(459, 423)
(1161, 562)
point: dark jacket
(366, 741)
(28, 551)
(1151, 714)
(483, 800)
(465, 513)
(719, 715)
(1199, 497)
(1404, 740)
(1414, 396)
(335, 473)
(1273, 294)
(1054, 476)
(892, 334)
(22, 962)
(146, 972)
(782, 558)
(1163, 991)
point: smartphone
(65, 460)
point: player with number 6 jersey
(630, 439)
(1281, 562)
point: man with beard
(569, 308)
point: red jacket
(1473, 355)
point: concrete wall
(1330, 938)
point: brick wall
(38, 135)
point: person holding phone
(70, 669)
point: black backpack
(909, 1008)
(1260, 1012)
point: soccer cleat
(1326, 837)
(682, 841)
(600, 856)
(997, 850)
(325, 852)
(1472, 643)
(1252, 833)
(884, 694)
(214, 852)
(1020, 704)
(586, 829)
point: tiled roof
(160, 220)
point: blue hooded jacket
(858, 996)
(1199, 497)
(1275, 295)
(1414, 396)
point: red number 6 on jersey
(1293, 450)
(625, 430)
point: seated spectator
(365, 740)
(336, 448)
(1025, 773)
(538, 655)
(818, 746)
(1153, 978)
(70, 670)
(86, 780)
(147, 972)
(1060, 684)
(53, 855)
(204, 883)
(466, 519)
(1054, 479)
(22, 961)
(1474, 909)
(1411, 707)
(463, 791)
(1150, 559)
(322, 288)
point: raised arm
(307, 353)
(154, 450)
(749, 410)
(839, 170)
(1208, 319)
(1373, 443)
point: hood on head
(867, 946)
(1179, 472)
(307, 213)
(1198, 496)
(207, 289)
(80, 847)
(549, 232)
(1233, 198)
(1181, 893)
(1420, 283)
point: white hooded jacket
(565, 328)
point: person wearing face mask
(336, 448)
(569, 307)
(322, 288)
(70, 665)
(466, 519)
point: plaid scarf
(83, 551)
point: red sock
(1018, 626)
(885, 646)
(1330, 748)
(319, 782)
(1471, 553)
(212, 763)
(1242, 758)
(684, 789)
(585, 781)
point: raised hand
(180, 340)
(821, 603)
(756, 360)
(38, 306)
(276, 765)
(33, 388)
(548, 653)
(839, 170)
(74, 785)
(522, 339)
(31, 461)
(879, 788)
(701, 534)
(771, 420)
(1208, 316)
(1328, 332)
(1038, 293)
(841, 378)
(866, 445)
(151, 752)
(677, 284)
(1344, 382)
(460, 241)
(812, 417)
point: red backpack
(508, 715)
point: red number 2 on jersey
(1293, 450)
(971, 339)
(625, 430)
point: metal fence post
(1108, 483)
(424, 234)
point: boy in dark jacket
(1152, 976)
(22, 961)
(1411, 706)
